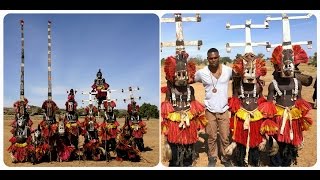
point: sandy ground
(150, 157)
(308, 154)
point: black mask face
(91, 126)
(50, 109)
(99, 74)
(249, 63)
(70, 107)
(22, 108)
(109, 109)
(61, 128)
(37, 133)
(21, 121)
(287, 70)
(181, 74)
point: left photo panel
(81, 90)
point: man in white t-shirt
(215, 78)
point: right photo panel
(239, 90)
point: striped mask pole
(50, 105)
(22, 63)
(50, 114)
(180, 43)
(131, 98)
(248, 44)
(49, 62)
(287, 46)
(286, 35)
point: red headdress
(131, 106)
(91, 107)
(260, 67)
(170, 68)
(112, 104)
(300, 56)
(70, 97)
(17, 104)
(171, 63)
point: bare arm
(299, 89)
(234, 75)
(235, 85)
(261, 84)
(168, 93)
(192, 94)
(197, 78)
(270, 92)
(236, 79)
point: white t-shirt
(215, 102)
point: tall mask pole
(49, 62)
(22, 63)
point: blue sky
(212, 31)
(124, 46)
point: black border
(157, 5)
(147, 174)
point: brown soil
(150, 157)
(308, 154)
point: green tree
(120, 113)
(200, 60)
(313, 60)
(35, 110)
(197, 59)
(225, 60)
(81, 111)
(149, 111)
(205, 62)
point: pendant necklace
(214, 90)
